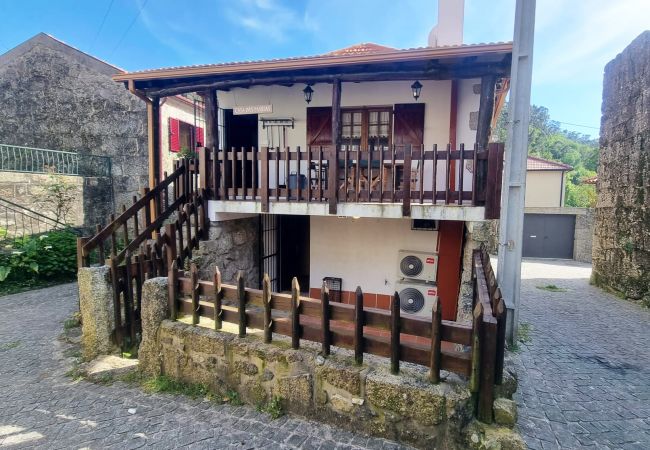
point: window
(366, 128)
(182, 135)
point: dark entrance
(549, 235)
(241, 131)
(294, 251)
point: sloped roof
(535, 163)
(49, 41)
(360, 53)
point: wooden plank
(254, 181)
(476, 348)
(474, 174)
(486, 110)
(276, 155)
(461, 172)
(241, 303)
(266, 299)
(502, 317)
(243, 173)
(325, 318)
(488, 335)
(218, 295)
(194, 274)
(320, 173)
(295, 315)
(265, 180)
(406, 183)
(448, 174)
(298, 187)
(393, 174)
(309, 187)
(436, 339)
(358, 326)
(225, 180)
(172, 294)
(287, 172)
(394, 334)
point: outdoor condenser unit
(416, 299)
(414, 265)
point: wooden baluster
(309, 189)
(421, 174)
(333, 182)
(139, 276)
(474, 173)
(436, 338)
(448, 171)
(320, 173)
(434, 186)
(325, 319)
(298, 187)
(241, 304)
(117, 310)
(501, 314)
(181, 247)
(218, 297)
(194, 277)
(244, 159)
(254, 182)
(266, 302)
(172, 285)
(82, 260)
(170, 236)
(461, 171)
(100, 247)
(125, 228)
(188, 229)
(381, 174)
(277, 174)
(357, 175)
(233, 182)
(147, 211)
(406, 182)
(287, 169)
(225, 183)
(369, 177)
(136, 225)
(358, 326)
(394, 334)
(295, 313)
(197, 233)
(264, 195)
(393, 171)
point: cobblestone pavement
(41, 407)
(585, 373)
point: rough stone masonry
(621, 250)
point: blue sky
(574, 39)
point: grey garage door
(549, 235)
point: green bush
(37, 260)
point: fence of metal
(18, 222)
(15, 158)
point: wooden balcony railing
(400, 174)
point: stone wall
(361, 398)
(232, 245)
(621, 251)
(53, 96)
(584, 235)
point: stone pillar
(96, 307)
(154, 310)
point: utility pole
(514, 180)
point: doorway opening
(241, 132)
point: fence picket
(295, 314)
(241, 303)
(172, 283)
(436, 338)
(358, 326)
(325, 318)
(194, 275)
(394, 334)
(218, 296)
(266, 300)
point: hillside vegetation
(546, 139)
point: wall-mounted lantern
(308, 91)
(416, 88)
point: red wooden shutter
(319, 125)
(199, 137)
(174, 135)
(409, 124)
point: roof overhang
(464, 61)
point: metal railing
(15, 158)
(18, 222)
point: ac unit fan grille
(411, 300)
(411, 266)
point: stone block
(97, 316)
(505, 412)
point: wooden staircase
(154, 235)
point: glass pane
(372, 131)
(346, 118)
(357, 118)
(373, 117)
(383, 130)
(356, 131)
(385, 117)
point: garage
(549, 235)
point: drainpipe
(511, 223)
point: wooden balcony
(402, 181)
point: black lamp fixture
(416, 88)
(308, 91)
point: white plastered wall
(544, 188)
(176, 109)
(363, 252)
(468, 102)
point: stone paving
(40, 407)
(584, 376)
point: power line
(577, 125)
(130, 25)
(110, 5)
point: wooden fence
(158, 231)
(401, 174)
(475, 351)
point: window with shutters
(183, 135)
(366, 128)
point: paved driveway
(585, 374)
(41, 407)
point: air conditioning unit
(416, 299)
(417, 265)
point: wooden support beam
(485, 111)
(336, 142)
(153, 134)
(218, 296)
(241, 304)
(394, 334)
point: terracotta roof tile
(535, 163)
(362, 49)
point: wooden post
(358, 326)
(448, 181)
(436, 338)
(406, 182)
(116, 300)
(204, 169)
(325, 318)
(194, 276)
(461, 171)
(153, 132)
(266, 301)
(129, 313)
(241, 305)
(476, 348)
(488, 337)
(295, 313)
(434, 178)
(82, 261)
(486, 110)
(394, 334)
(172, 283)
(170, 234)
(501, 316)
(218, 296)
(212, 135)
(336, 143)
(188, 229)
(265, 180)
(100, 248)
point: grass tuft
(273, 408)
(9, 346)
(552, 288)
(167, 384)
